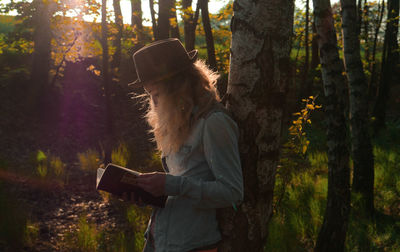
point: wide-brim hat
(161, 60)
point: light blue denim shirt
(205, 174)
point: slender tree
(175, 25)
(305, 87)
(365, 22)
(106, 83)
(153, 20)
(136, 18)
(116, 59)
(205, 16)
(314, 48)
(258, 77)
(332, 235)
(41, 52)
(189, 23)
(363, 160)
(164, 14)
(390, 58)
(372, 63)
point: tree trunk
(116, 59)
(190, 23)
(372, 63)
(314, 48)
(363, 160)
(209, 36)
(390, 58)
(305, 87)
(259, 75)
(365, 17)
(41, 55)
(164, 14)
(153, 20)
(106, 83)
(175, 25)
(136, 18)
(332, 235)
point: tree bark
(136, 18)
(209, 36)
(41, 54)
(332, 235)
(390, 58)
(116, 59)
(153, 20)
(363, 160)
(106, 83)
(175, 26)
(164, 14)
(259, 75)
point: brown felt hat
(160, 60)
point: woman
(199, 146)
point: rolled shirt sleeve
(220, 144)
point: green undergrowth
(299, 206)
(92, 238)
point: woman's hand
(153, 183)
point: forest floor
(54, 213)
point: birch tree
(363, 160)
(259, 74)
(332, 235)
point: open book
(116, 179)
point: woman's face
(153, 90)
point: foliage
(120, 156)
(293, 156)
(50, 166)
(89, 160)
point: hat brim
(192, 56)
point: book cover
(116, 179)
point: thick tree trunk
(332, 235)
(209, 36)
(190, 23)
(390, 58)
(164, 14)
(372, 63)
(363, 160)
(106, 83)
(259, 75)
(136, 18)
(116, 59)
(153, 20)
(41, 54)
(175, 25)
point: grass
(299, 215)
(91, 238)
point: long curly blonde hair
(172, 119)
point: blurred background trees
(65, 65)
